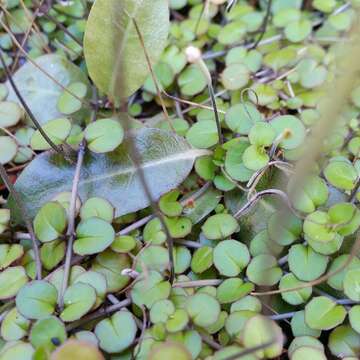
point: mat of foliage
(164, 192)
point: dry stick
(147, 57)
(264, 24)
(26, 107)
(28, 222)
(71, 224)
(98, 314)
(28, 58)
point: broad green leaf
(341, 174)
(18, 350)
(104, 135)
(307, 352)
(44, 331)
(14, 326)
(12, 280)
(50, 222)
(352, 284)
(232, 289)
(259, 330)
(307, 341)
(305, 263)
(40, 92)
(57, 130)
(9, 253)
(51, 253)
(220, 226)
(93, 235)
(202, 259)
(166, 159)
(344, 341)
(149, 289)
(161, 311)
(231, 257)
(8, 149)
(116, 333)
(67, 103)
(169, 350)
(79, 298)
(203, 134)
(79, 350)
(111, 43)
(110, 264)
(296, 297)
(37, 299)
(203, 309)
(354, 318)
(322, 313)
(10, 113)
(299, 326)
(263, 270)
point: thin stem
(71, 224)
(26, 107)
(284, 316)
(353, 194)
(98, 314)
(189, 243)
(197, 283)
(264, 24)
(27, 221)
(156, 83)
(63, 28)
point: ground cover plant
(179, 179)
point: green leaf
(110, 264)
(150, 289)
(231, 257)
(232, 289)
(52, 253)
(50, 222)
(154, 257)
(344, 341)
(44, 331)
(240, 118)
(104, 135)
(322, 313)
(80, 350)
(97, 207)
(263, 270)
(192, 81)
(354, 318)
(169, 350)
(291, 129)
(298, 30)
(14, 326)
(220, 226)
(203, 134)
(116, 333)
(111, 43)
(40, 91)
(36, 299)
(8, 149)
(93, 236)
(259, 330)
(18, 350)
(67, 103)
(352, 284)
(161, 311)
(299, 326)
(9, 253)
(166, 159)
(12, 280)
(79, 298)
(57, 130)
(10, 113)
(202, 259)
(203, 309)
(169, 205)
(296, 297)
(305, 263)
(235, 76)
(341, 174)
(308, 352)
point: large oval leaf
(167, 159)
(113, 52)
(39, 91)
